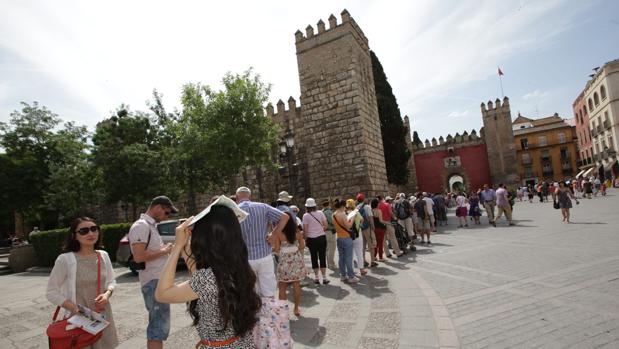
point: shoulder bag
(61, 338)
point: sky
(82, 59)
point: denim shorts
(158, 314)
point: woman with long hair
(223, 304)
(564, 197)
(289, 244)
(83, 275)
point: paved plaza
(541, 283)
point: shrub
(48, 244)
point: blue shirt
(286, 208)
(488, 195)
(255, 226)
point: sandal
(316, 281)
(325, 281)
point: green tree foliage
(127, 154)
(41, 165)
(218, 133)
(392, 128)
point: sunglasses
(86, 230)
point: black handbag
(556, 205)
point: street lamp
(286, 150)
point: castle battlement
(457, 141)
(281, 108)
(496, 107)
(323, 35)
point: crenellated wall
(457, 141)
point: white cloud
(458, 114)
(535, 95)
(103, 53)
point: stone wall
(339, 115)
(499, 139)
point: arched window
(590, 104)
(603, 92)
(596, 99)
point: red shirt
(385, 208)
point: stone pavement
(541, 283)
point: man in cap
(148, 248)
(255, 233)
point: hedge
(48, 243)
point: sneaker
(373, 264)
(343, 279)
(366, 264)
(399, 254)
(389, 255)
(353, 280)
(325, 281)
(429, 242)
(316, 282)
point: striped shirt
(254, 227)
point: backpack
(366, 219)
(402, 210)
(419, 207)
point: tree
(28, 140)
(393, 131)
(127, 154)
(218, 133)
(72, 183)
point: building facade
(602, 101)
(546, 149)
(583, 133)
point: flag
(500, 72)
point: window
(526, 158)
(541, 140)
(603, 92)
(590, 104)
(561, 137)
(524, 143)
(545, 154)
(596, 99)
(610, 142)
(564, 153)
(584, 107)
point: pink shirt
(501, 197)
(312, 224)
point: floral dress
(211, 326)
(474, 206)
(291, 266)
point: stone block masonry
(339, 114)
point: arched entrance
(456, 183)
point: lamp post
(286, 150)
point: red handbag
(61, 338)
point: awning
(580, 173)
(609, 167)
(586, 174)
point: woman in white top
(461, 211)
(314, 226)
(74, 278)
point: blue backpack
(366, 220)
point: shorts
(423, 224)
(266, 282)
(158, 314)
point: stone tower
(499, 138)
(340, 114)
(411, 187)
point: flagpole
(501, 83)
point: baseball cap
(360, 197)
(164, 201)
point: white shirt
(430, 205)
(61, 283)
(461, 201)
(139, 233)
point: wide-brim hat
(284, 196)
(388, 198)
(221, 201)
(310, 202)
